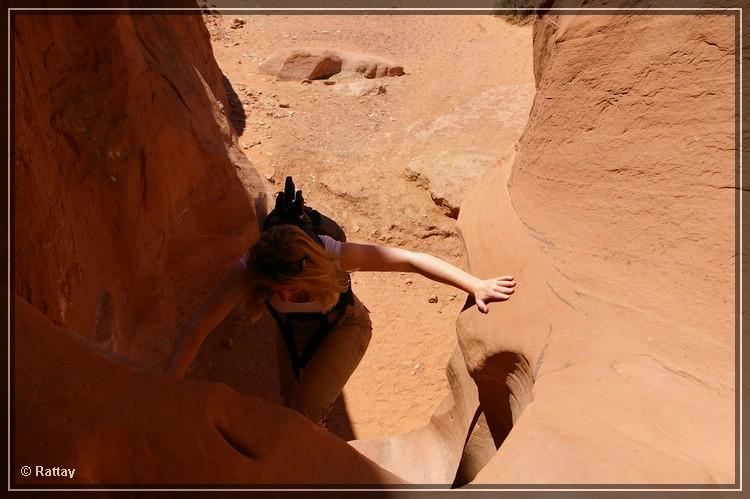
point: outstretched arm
(221, 301)
(372, 257)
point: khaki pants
(324, 376)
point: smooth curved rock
(617, 219)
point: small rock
(227, 343)
(433, 299)
(329, 82)
(284, 105)
(451, 297)
(237, 23)
(409, 282)
(306, 81)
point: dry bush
(518, 17)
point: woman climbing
(300, 275)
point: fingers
(482, 306)
(497, 289)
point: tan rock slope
(614, 361)
(619, 221)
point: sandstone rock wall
(613, 362)
(617, 218)
(129, 205)
(125, 178)
(116, 423)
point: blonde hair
(285, 254)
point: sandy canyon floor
(456, 113)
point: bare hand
(496, 289)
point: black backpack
(290, 209)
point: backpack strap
(288, 334)
(290, 209)
(326, 324)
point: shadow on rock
(237, 116)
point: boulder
(320, 63)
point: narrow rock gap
(478, 450)
(504, 383)
(326, 125)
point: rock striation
(614, 361)
(617, 218)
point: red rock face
(126, 191)
(128, 208)
(116, 423)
